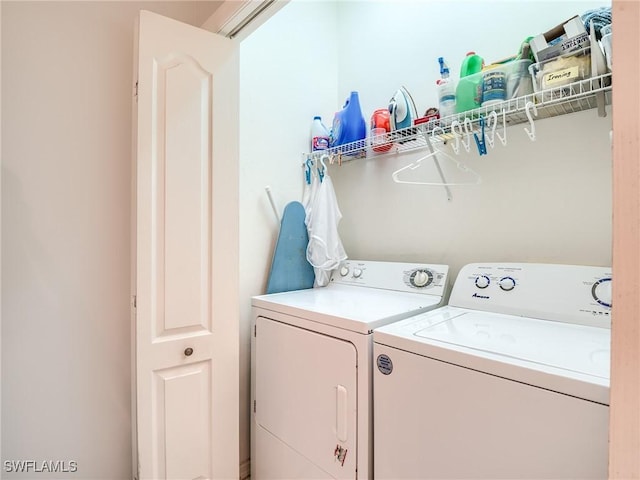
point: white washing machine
(510, 380)
(312, 367)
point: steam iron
(402, 110)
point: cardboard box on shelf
(567, 37)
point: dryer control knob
(507, 284)
(344, 271)
(482, 281)
(357, 272)
(601, 292)
(421, 278)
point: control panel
(397, 276)
(569, 293)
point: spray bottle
(446, 91)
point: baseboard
(245, 470)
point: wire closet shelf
(575, 97)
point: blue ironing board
(290, 269)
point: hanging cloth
(325, 250)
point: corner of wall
(1, 238)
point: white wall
(66, 162)
(543, 201)
(287, 70)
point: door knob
(188, 351)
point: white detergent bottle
(446, 91)
(319, 135)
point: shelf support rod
(437, 163)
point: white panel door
(306, 385)
(186, 326)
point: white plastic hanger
(528, 107)
(456, 145)
(468, 132)
(503, 137)
(322, 157)
(435, 154)
(460, 135)
(322, 172)
(492, 123)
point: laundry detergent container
(470, 89)
(348, 124)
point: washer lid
(577, 348)
(353, 308)
(562, 357)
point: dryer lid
(349, 307)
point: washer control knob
(601, 292)
(507, 284)
(421, 278)
(344, 271)
(482, 281)
(357, 272)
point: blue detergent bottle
(348, 124)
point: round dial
(357, 272)
(601, 292)
(482, 281)
(421, 278)
(507, 283)
(344, 271)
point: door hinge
(134, 301)
(255, 330)
(136, 91)
(254, 406)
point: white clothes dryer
(311, 382)
(510, 380)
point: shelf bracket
(433, 152)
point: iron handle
(188, 351)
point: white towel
(325, 250)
